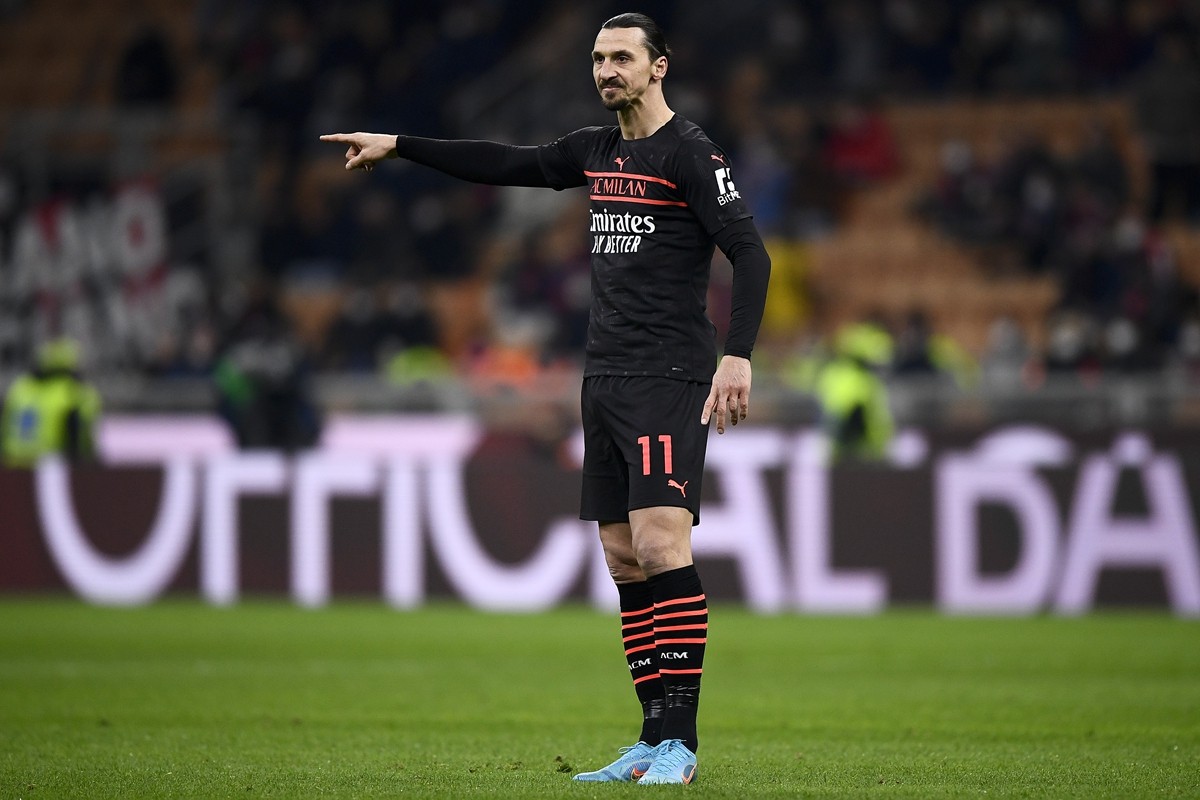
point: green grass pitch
(357, 700)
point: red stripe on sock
(637, 636)
(681, 641)
(697, 613)
(700, 626)
(635, 613)
(678, 600)
(640, 648)
(680, 671)
(645, 678)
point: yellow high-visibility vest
(36, 410)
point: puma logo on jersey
(681, 487)
(715, 157)
(620, 162)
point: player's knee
(661, 538)
(623, 566)
(659, 553)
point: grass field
(268, 700)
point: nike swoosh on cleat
(637, 773)
(689, 772)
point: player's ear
(659, 70)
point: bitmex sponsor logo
(726, 191)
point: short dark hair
(655, 41)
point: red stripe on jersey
(645, 200)
(630, 176)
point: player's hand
(364, 148)
(730, 393)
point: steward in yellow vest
(854, 397)
(50, 409)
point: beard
(616, 102)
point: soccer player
(661, 195)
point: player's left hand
(730, 392)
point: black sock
(637, 634)
(680, 634)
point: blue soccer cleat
(632, 764)
(673, 763)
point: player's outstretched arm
(364, 149)
(469, 159)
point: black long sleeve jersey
(658, 206)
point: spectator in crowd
(353, 340)
(1107, 46)
(147, 75)
(1072, 348)
(262, 382)
(50, 410)
(1007, 356)
(921, 351)
(1183, 361)
(1100, 171)
(1167, 110)
(962, 203)
(860, 148)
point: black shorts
(643, 445)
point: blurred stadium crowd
(413, 277)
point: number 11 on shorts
(665, 439)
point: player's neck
(643, 119)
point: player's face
(622, 67)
